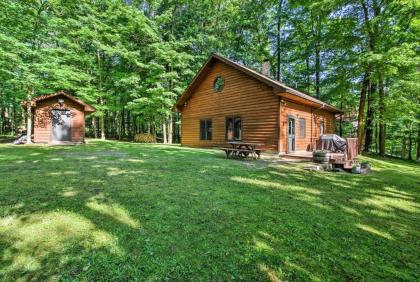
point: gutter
(312, 120)
(323, 105)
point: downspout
(312, 119)
(279, 125)
(323, 105)
(341, 124)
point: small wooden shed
(59, 118)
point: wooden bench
(232, 152)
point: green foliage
(133, 59)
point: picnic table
(240, 149)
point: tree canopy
(133, 59)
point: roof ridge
(282, 84)
(257, 75)
(87, 107)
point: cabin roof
(283, 89)
(87, 108)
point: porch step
(302, 155)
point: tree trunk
(341, 120)
(418, 144)
(381, 117)
(308, 75)
(22, 119)
(371, 47)
(101, 100)
(165, 140)
(369, 118)
(129, 131)
(94, 127)
(135, 125)
(170, 129)
(279, 23)
(102, 122)
(410, 143)
(317, 35)
(376, 138)
(14, 118)
(317, 70)
(123, 124)
(2, 120)
(102, 119)
(29, 116)
(403, 147)
(362, 102)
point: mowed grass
(123, 211)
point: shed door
(61, 125)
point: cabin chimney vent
(266, 67)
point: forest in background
(131, 60)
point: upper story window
(218, 84)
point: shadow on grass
(116, 211)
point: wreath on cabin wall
(219, 83)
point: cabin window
(218, 84)
(302, 128)
(321, 128)
(233, 128)
(205, 129)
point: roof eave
(86, 107)
(191, 86)
(311, 101)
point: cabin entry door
(291, 137)
(61, 125)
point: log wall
(313, 119)
(242, 96)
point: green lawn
(122, 211)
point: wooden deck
(307, 155)
(303, 155)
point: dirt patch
(274, 161)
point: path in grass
(121, 211)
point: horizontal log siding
(301, 111)
(42, 119)
(241, 96)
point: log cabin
(59, 118)
(227, 101)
